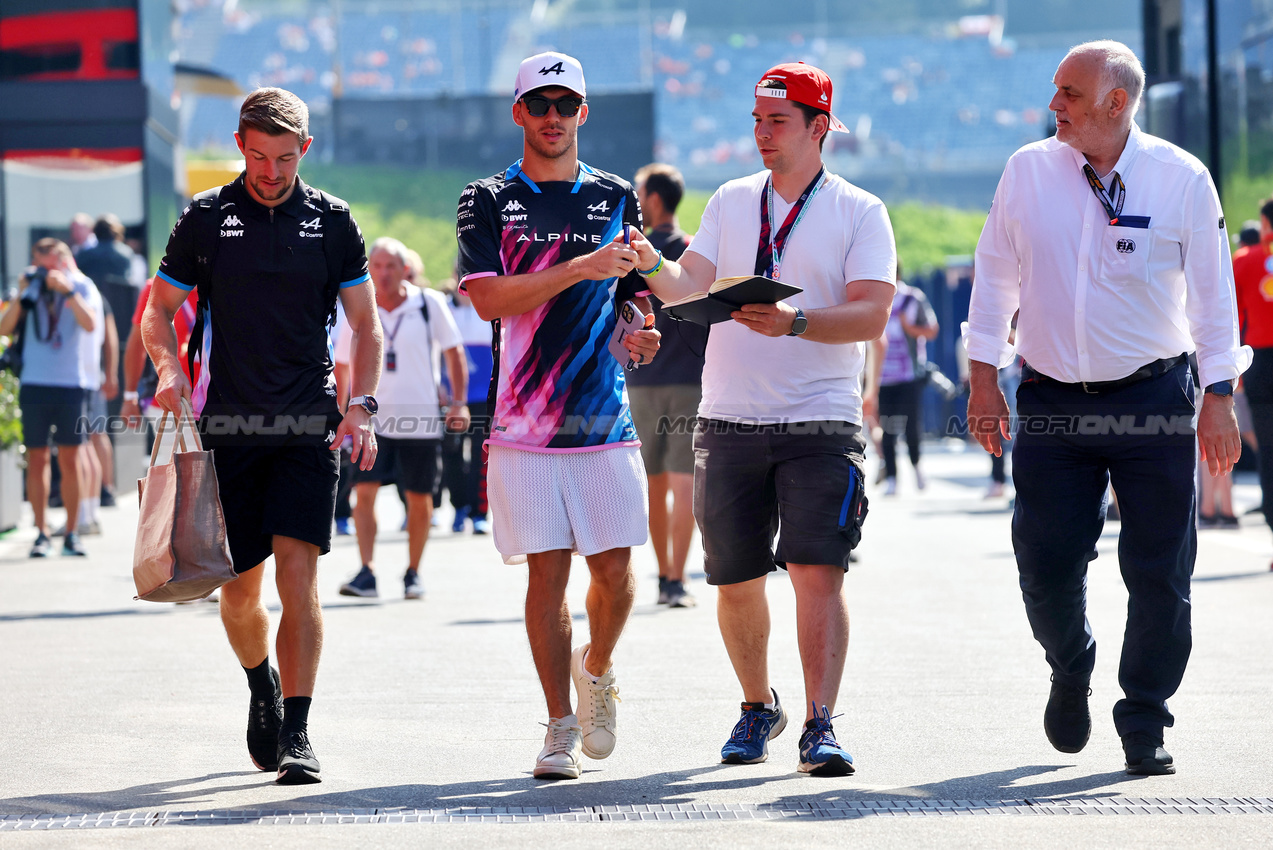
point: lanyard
(1111, 199)
(397, 325)
(772, 246)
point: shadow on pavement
(670, 788)
(156, 795)
(85, 615)
(1232, 576)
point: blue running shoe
(363, 584)
(749, 743)
(343, 527)
(820, 755)
(461, 514)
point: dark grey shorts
(411, 463)
(750, 479)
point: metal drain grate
(834, 810)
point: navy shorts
(750, 479)
(411, 463)
(57, 410)
(269, 490)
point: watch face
(799, 325)
(371, 405)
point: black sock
(295, 715)
(260, 680)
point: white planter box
(11, 474)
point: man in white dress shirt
(1112, 243)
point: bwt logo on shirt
(1125, 246)
(513, 206)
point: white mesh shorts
(587, 502)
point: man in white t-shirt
(409, 422)
(779, 437)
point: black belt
(1149, 370)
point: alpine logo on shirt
(315, 224)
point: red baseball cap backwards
(801, 83)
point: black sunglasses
(567, 105)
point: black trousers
(1258, 384)
(900, 413)
(465, 479)
(1068, 448)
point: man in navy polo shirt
(268, 399)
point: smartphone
(630, 319)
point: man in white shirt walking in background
(1112, 243)
(408, 422)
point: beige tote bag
(181, 553)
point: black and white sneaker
(411, 586)
(265, 716)
(678, 596)
(71, 547)
(42, 546)
(296, 762)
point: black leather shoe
(1146, 756)
(1066, 720)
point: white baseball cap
(546, 70)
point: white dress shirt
(1099, 300)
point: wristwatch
(1220, 388)
(800, 324)
(368, 403)
(130, 395)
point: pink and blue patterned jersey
(558, 388)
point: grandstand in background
(937, 97)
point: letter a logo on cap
(549, 70)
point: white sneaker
(559, 759)
(995, 490)
(920, 481)
(596, 707)
(890, 486)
